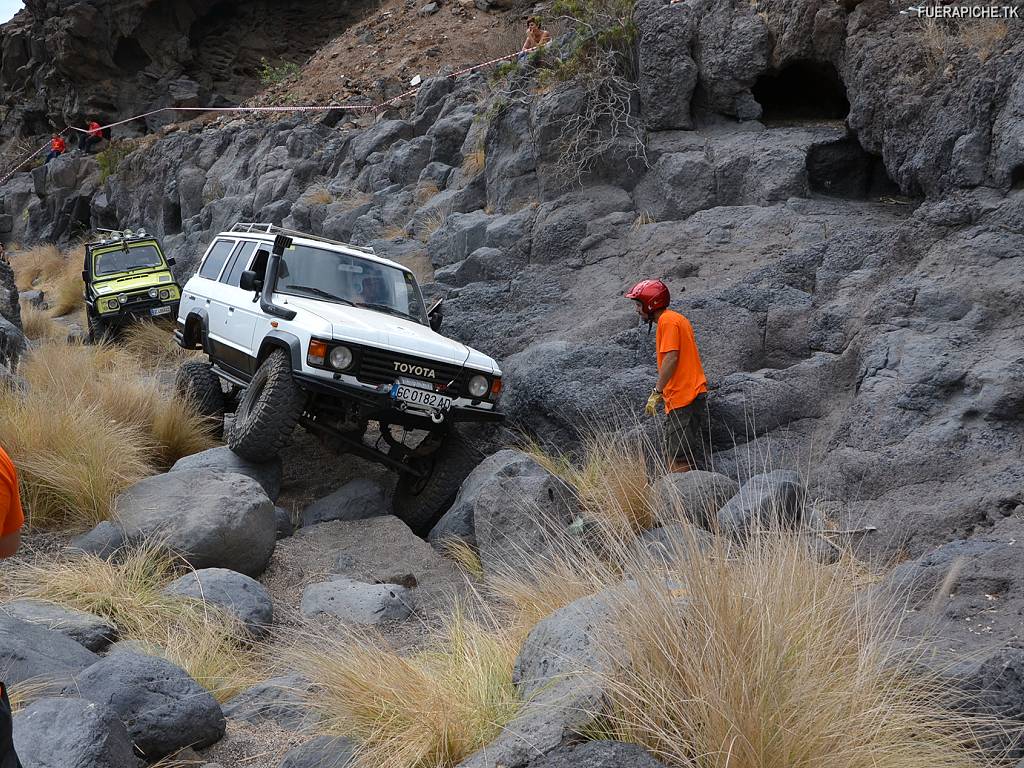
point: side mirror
(250, 281)
(436, 314)
(85, 276)
(171, 261)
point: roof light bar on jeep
(274, 229)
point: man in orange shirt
(681, 382)
(11, 520)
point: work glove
(652, 403)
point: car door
(208, 298)
(241, 310)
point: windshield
(339, 277)
(136, 257)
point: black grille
(377, 366)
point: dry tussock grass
(984, 36)
(474, 162)
(430, 223)
(89, 426)
(39, 264)
(394, 232)
(153, 346)
(65, 292)
(353, 198)
(431, 709)
(207, 642)
(318, 194)
(425, 191)
(39, 326)
(642, 220)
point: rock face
(109, 61)
(240, 595)
(163, 708)
(72, 733)
(848, 252)
(278, 700)
(597, 754)
(214, 519)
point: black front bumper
(140, 311)
(382, 407)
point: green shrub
(274, 74)
(111, 157)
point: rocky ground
(835, 198)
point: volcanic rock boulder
(213, 519)
(72, 733)
(29, 651)
(163, 708)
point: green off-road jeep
(127, 278)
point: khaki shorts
(682, 431)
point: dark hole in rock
(130, 57)
(803, 90)
(845, 169)
(1017, 177)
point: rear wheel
(420, 501)
(197, 382)
(268, 411)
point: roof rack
(274, 229)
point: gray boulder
(380, 137)
(459, 236)
(321, 752)
(458, 520)
(102, 541)
(597, 754)
(93, 632)
(72, 733)
(357, 603)
(694, 496)
(775, 498)
(517, 511)
(279, 700)
(558, 674)
(356, 500)
(214, 519)
(283, 523)
(448, 135)
(28, 651)
(674, 542)
(242, 596)
(222, 458)
(679, 185)
(163, 708)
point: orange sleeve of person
(669, 337)
(11, 515)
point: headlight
(122, 298)
(152, 293)
(341, 358)
(478, 386)
(165, 294)
(112, 304)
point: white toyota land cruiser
(304, 330)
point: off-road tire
(268, 411)
(97, 328)
(197, 382)
(420, 502)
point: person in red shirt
(681, 385)
(93, 135)
(11, 520)
(57, 147)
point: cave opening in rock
(802, 90)
(845, 169)
(130, 57)
(1017, 177)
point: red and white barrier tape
(299, 108)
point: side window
(215, 259)
(239, 263)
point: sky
(8, 8)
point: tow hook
(437, 417)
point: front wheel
(97, 328)
(420, 501)
(268, 411)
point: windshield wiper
(388, 310)
(322, 293)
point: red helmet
(652, 294)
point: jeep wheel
(420, 501)
(197, 382)
(268, 411)
(97, 328)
